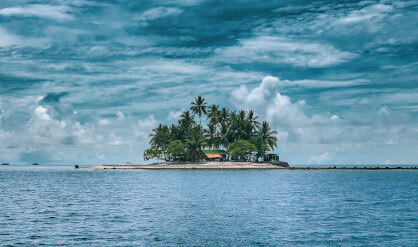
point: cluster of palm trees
(186, 140)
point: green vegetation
(241, 150)
(214, 151)
(239, 133)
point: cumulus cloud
(43, 137)
(56, 12)
(280, 50)
(267, 101)
(324, 135)
(43, 130)
(41, 113)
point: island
(227, 136)
(229, 140)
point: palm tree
(199, 107)
(186, 121)
(268, 135)
(241, 125)
(223, 135)
(251, 124)
(252, 119)
(223, 115)
(237, 124)
(161, 137)
(212, 137)
(195, 143)
(241, 115)
(213, 114)
(176, 133)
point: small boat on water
(35, 164)
(5, 164)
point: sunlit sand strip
(234, 165)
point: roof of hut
(213, 156)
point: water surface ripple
(61, 206)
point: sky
(85, 81)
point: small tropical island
(227, 136)
(228, 140)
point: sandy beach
(194, 165)
(228, 165)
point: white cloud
(8, 39)
(175, 67)
(345, 22)
(115, 140)
(279, 50)
(103, 122)
(144, 127)
(365, 14)
(322, 136)
(39, 10)
(174, 116)
(156, 13)
(270, 104)
(320, 158)
(43, 137)
(120, 115)
(42, 113)
(326, 83)
(335, 117)
(183, 2)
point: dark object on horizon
(5, 164)
(35, 164)
(76, 166)
(280, 163)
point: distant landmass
(228, 136)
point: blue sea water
(62, 206)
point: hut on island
(215, 155)
(272, 157)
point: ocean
(62, 206)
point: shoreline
(229, 166)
